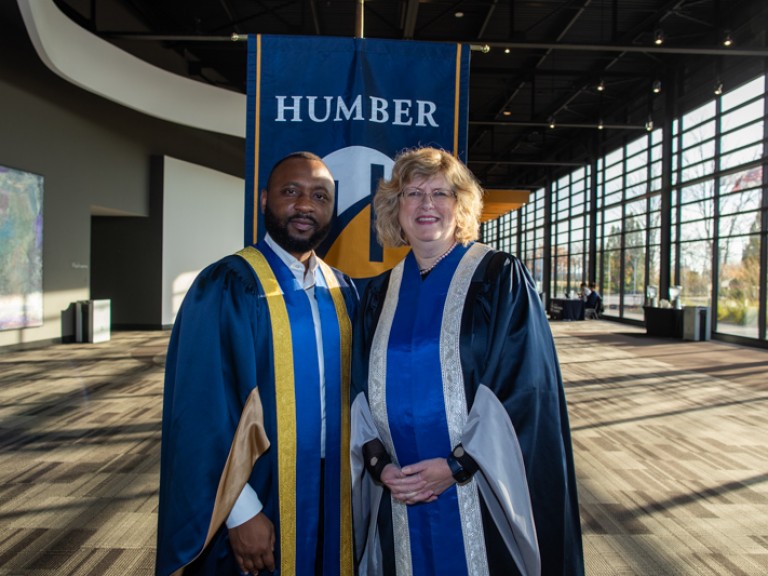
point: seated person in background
(584, 292)
(593, 303)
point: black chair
(593, 307)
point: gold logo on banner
(354, 250)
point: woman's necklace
(428, 269)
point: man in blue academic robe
(255, 448)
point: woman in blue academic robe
(461, 450)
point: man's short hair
(302, 154)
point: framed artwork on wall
(21, 249)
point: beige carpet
(669, 438)
(671, 454)
(79, 466)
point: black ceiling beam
(685, 50)
(533, 67)
(522, 124)
(671, 8)
(451, 9)
(227, 7)
(635, 32)
(487, 19)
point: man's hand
(253, 543)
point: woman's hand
(435, 473)
(418, 483)
(404, 488)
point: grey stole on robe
(454, 400)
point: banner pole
(359, 28)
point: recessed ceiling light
(459, 14)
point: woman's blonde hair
(426, 162)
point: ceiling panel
(544, 61)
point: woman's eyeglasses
(438, 196)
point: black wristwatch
(460, 474)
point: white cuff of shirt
(246, 507)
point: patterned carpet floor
(670, 441)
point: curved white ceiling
(99, 67)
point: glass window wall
(717, 198)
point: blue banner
(356, 103)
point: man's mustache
(303, 218)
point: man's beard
(278, 230)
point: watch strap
(376, 458)
(459, 473)
(462, 465)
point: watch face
(458, 452)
